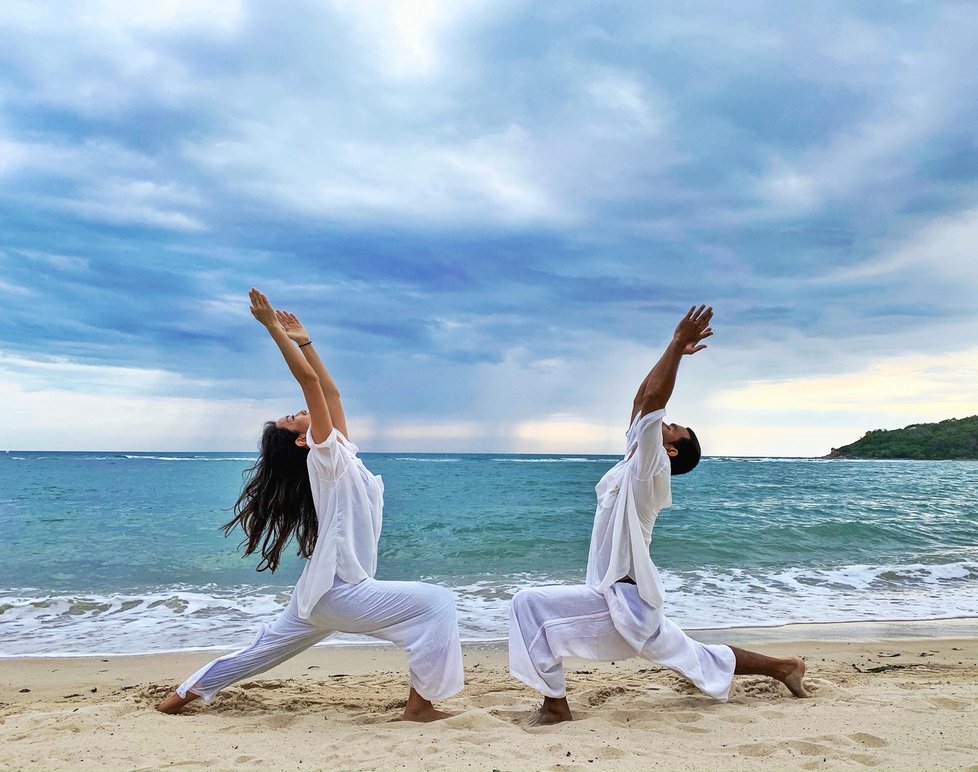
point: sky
(490, 215)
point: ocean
(122, 553)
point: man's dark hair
(688, 455)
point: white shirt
(349, 503)
(630, 496)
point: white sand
(331, 708)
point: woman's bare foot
(794, 679)
(420, 709)
(553, 711)
(424, 715)
(175, 703)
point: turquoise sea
(122, 552)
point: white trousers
(550, 623)
(417, 617)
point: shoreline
(889, 702)
(856, 631)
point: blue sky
(490, 215)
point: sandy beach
(903, 700)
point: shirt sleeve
(649, 456)
(327, 459)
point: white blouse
(630, 496)
(349, 503)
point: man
(618, 612)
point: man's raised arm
(657, 387)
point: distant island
(955, 438)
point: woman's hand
(261, 309)
(292, 326)
(320, 422)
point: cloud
(490, 214)
(131, 203)
(407, 40)
(13, 289)
(568, 433)
(36, 374)
(437, 182)
(65, 406)
(923, 385)
(809, 415)
(942, 250)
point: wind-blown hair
(688, 456)
(276, 501)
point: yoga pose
(618, 612)
(309, 484)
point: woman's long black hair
(276, 501)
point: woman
(309, 484)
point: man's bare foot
(790, 670)
(554, 710)
(174, 703)
(794, 679)
(420, 709)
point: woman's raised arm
(320, 423)
(298, 333)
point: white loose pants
(550, 623)
(419, 618)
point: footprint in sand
(603, 695)
(300, 705)
(374, 718)
(280, 720)
(870, 740)
(733, 718)
(682, 686)
(477, 723)
(949, 703)
(757, 750)
(264, 685)
(808, 748)
(237, 701)
(820, 749)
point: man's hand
(657, 387)
(292, 326)
(692, 348)
(694, 328)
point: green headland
(955, 438)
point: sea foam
(215, 618)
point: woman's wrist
(306, 342)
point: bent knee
(527, 598)
(440, 600)
(442, 596)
